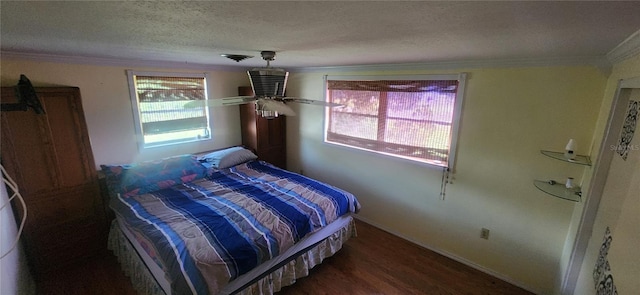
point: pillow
(229, 157)
(135, 179)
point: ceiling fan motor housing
(268, 82)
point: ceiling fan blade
(277, 106)
(311, 101)
(227, 101)
(234, 100)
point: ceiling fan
(268, 85)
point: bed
(222, 223)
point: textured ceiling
(312, 34)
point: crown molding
(600, 62)
(101, 61)
(628, 48)
(603, 63)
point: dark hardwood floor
(375, 262)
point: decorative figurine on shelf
(569, 150)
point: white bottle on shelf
(569, 150)
(569, 183)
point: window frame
(455, 123)
(133, 95)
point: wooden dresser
(50, 158)
(265, 136)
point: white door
(618, 260)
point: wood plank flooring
(375, 262)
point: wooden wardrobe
(49, 156)
(268, 137)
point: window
(413, 117)
(163, 107)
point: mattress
(217, 234)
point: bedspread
(205, 233)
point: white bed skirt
(287, 274)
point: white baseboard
(450, 255)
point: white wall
(508, 116)
(108, 112)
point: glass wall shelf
(580, 159)
(559, 190)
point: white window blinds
(161, 115)
(413, 119)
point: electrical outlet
(484, 233)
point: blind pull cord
(445, 180)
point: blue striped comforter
(205, 233)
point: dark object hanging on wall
(27, 98)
